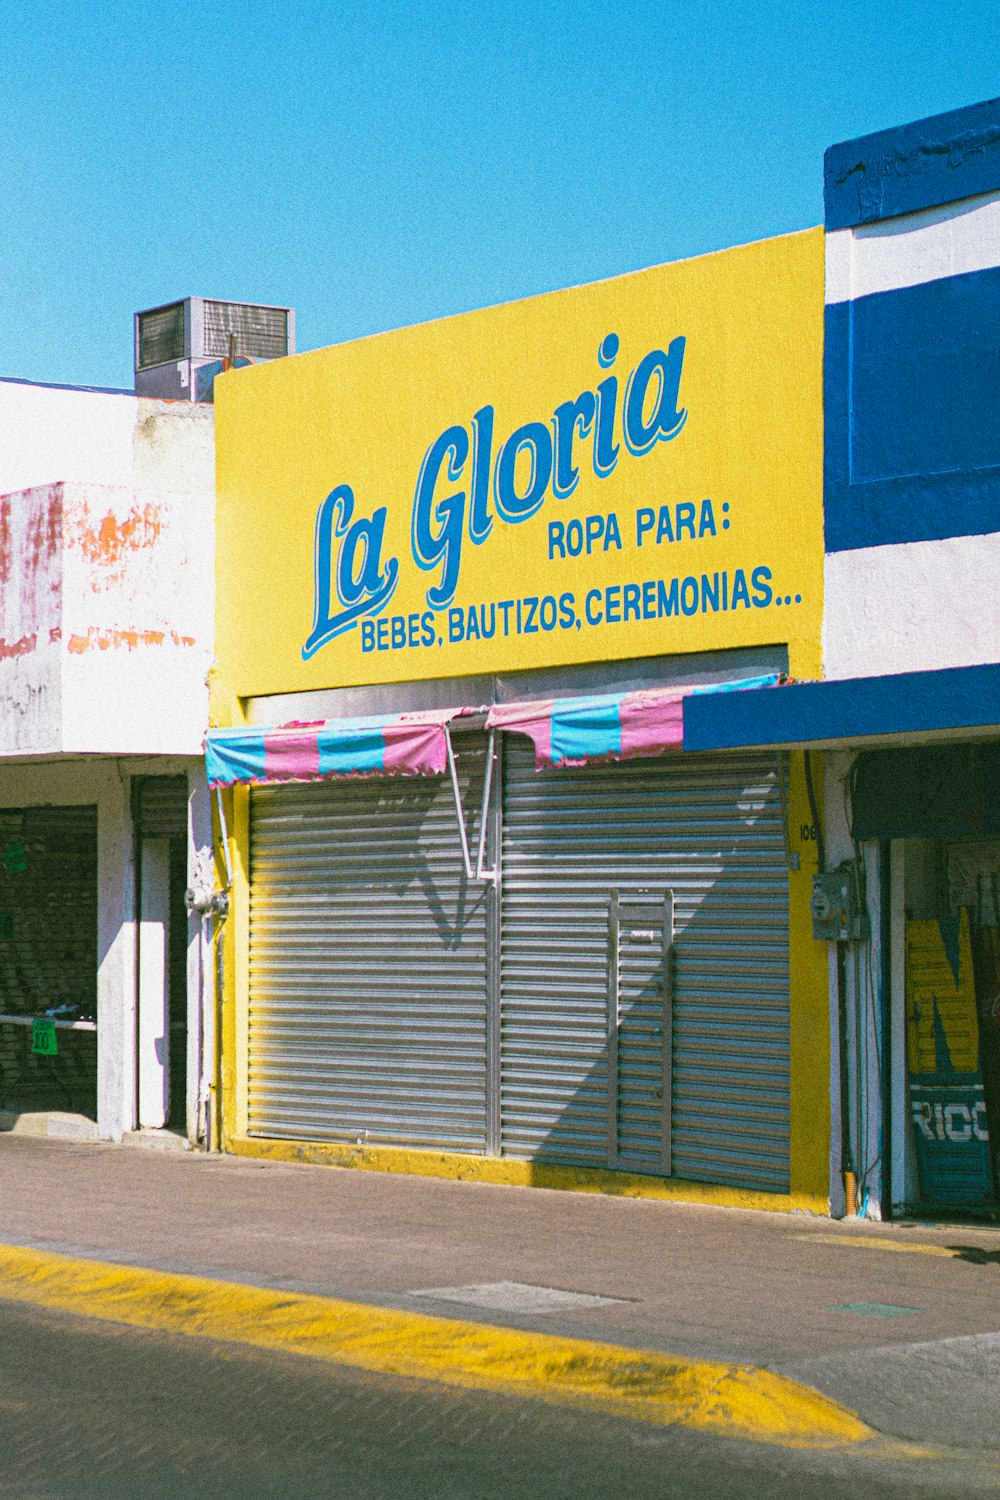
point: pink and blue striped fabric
(565, 732)
(411, 744)
(607, 726)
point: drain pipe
(847, 1164)
(214, 1090)
(212, 907)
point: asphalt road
(90, 1409)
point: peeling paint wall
(106, 572)
(30, 619)
(137, 620)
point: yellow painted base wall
(506, 1172)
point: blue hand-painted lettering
(459, 478)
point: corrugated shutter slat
(709, 829)
(368, 963)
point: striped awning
(564, 731)
(413, 744)
(608, 726)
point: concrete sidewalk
(901, 1323)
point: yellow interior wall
(810, 996)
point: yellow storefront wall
(627, 469)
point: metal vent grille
(261, 332)
(161, 335)
(161, 806)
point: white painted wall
(913, 248)
(49, 434)
(137, 620)
(31, 619)
(155, 1061)
(107, 608)
(918, 606)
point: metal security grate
(709, 830)
(368, 963)
(48, 949)
(161, 335)
(261, 332)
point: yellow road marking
(872, 1242)
(734, 1400)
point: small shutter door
(560, 865)
(639, 963)
(708, 829)
(368, 962)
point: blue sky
(381, 164)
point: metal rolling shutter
(368, 963)
(709, 829)
(48, 945)
(161, 806)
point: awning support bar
(459, 810)
(224, 837)
(479, 873)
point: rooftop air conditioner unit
(180, 348)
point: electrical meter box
(837, 913)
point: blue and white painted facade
(911, 623)
(912, 397)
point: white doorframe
(154, 986)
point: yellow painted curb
(505, 1171)
(731, 1400)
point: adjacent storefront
(936, 810)
(908, 904)
(485, 906)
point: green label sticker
(43, 1036)
(6, 926)
(15, 857)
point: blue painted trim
(857, 708)
(924, 508)
(920, 165)
(912, 413)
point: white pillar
(154, 986)
(116, 1036)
